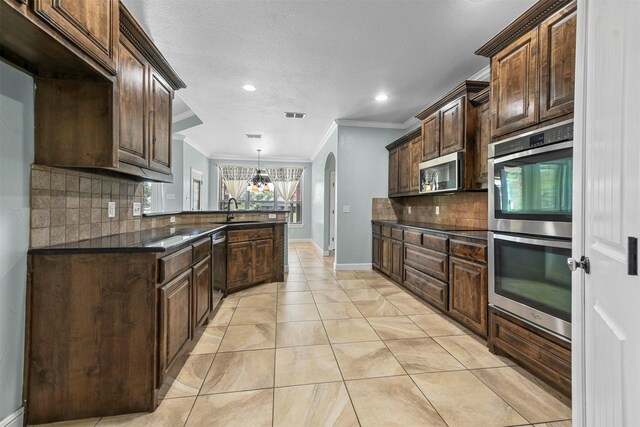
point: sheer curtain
(235, 178)
(286, 181)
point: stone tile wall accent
(386, 209)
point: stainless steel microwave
(441, 174)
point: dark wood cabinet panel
(251, 234)
(262, 260)
(201, 291)
(431, 137)
(404, 170)
(426, 287)
(474, 251)
(452, 125)
(92, 25)
(468, 294)
(375, 251)
(514, 85)
(436, 242)
(133, 81)
(396, 260)
(416, 157)
(173, 264)
(483, 139)
(557, 63)
(175, 312)
(201, 249)
(430, 262)
(385, 255)
(393, 172)
(239, 258)
(160, 104)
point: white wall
(16, 156)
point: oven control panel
(550, 135)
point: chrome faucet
(230, 216)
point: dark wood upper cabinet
(514, 85)
(161, 101)
(405, 155)
(452, 127)
(557, 63)
(416, 158)
(431, 137)
(393, 172)
(483, 138)
(92, 25)
(404, 171)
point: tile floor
(342, 348)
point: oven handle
(534, 151)
(531, 241)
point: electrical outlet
(346, 209)
(272, 216)
(172, 219)
(408, 209)
(111, 209)
(437, 210)
(137, 209)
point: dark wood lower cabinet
(544, 355)
(253, 256)
(202, 290)
(375, 246)
(426, 287)
(396, 260)
(262, 260)
(468, 301)
(238, 262)
(176, 324)
(428, 261)
(385, 255)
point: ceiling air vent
(292, 115)
(253, 135)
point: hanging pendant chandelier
(260, 181)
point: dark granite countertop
(238, 211)
(164, 239)
(454, 230)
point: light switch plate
(111, 209)
(437, 210)
(408, 209)
(346, 209)
(172, 219)
(137, 209)
(272, 216)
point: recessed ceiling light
(249, 88)
(382, 97)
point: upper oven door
(531, 191)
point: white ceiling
(327, 58)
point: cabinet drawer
(469, 250)
(435, 242)
(386, 231)
(413, 237)
(427, 261)
(175, 263)
(251, 234)
(426, 287)
(396, 233)
(376, 228)
(201, 249)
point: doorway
(330, 226)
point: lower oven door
(529, 277)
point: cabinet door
(393, 172)
(385, 255)
(375, 255)
(452, 127)
(431, 137)
(262, 260)
(239, 261)
(161, 99)
(92, 25)
(396, 261)
(483, 139)
(404, 169)
(416, 157)
(514, 85)
(133, 84)
(175, 312)
(201, 291)
(557, 63)
(468, 294)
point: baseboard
(319, 249)
(14, 420)
(360, 266)
(304, 240)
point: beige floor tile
(411, 306)
(286, 298)
(316, 270)
(209, 339)
(87, 422)
(338, 310)
(291, 277)
(293, 286)
(325, 404)
(170, 413)
(295, 270)
(330, 296)
(394, 293)
(463, 400)
(259, 300)
(267, 288)
(564, 423)
(472, 352)
(392, 401)
(297, 313)
(239, 371)
(325, 285)
(380, 282)
(349, 330)
(186, 376)
(369, 274)
(353, 284)
(423, 355)
(364, 294)
(245, 408)
(319, 277)
(311, 263)
(345, 275)
(254, 315)
(222, 317)
(525, 393)
(231, 301)
(296, 334)
(439, 326)
(366, 360)
(377, 308)
(306, 365)
(249, 337)
(395, 328)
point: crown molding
(370, 124)
(325, 138)
(467, 87)
(195, 146)
(182, 116)
(483, 75)
(262, 158)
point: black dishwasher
(219, 268)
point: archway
(329, 204)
